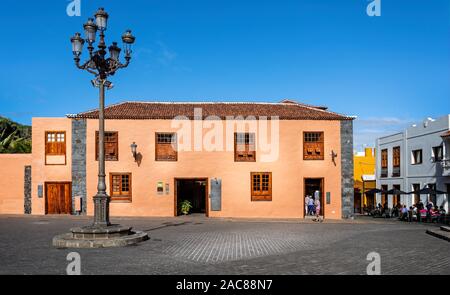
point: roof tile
(170, 110)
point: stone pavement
(198, 245)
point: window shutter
(244, 147)
(313, 146)
(166, 147)
(55, 143)
(111, 145)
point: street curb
(438, 233)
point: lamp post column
(101, 233)
(101, 200)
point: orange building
(227, 159)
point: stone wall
(347, 168)
(27, 190)
(79, 165)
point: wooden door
(58, 198)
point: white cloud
(165, 54)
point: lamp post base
(101, 234)
(99, 237)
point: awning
(368, 177)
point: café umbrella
(374, 191)
(395, 191)
(428, 191)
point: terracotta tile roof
(286, 110)
(446, 134)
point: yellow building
(364, 174)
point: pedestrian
(404, 213)
(430, 205)
(311, 206)
(419, 211)
(410, 214)
(306, 204)
(317, 204)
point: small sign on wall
(160, 188)
(216, 194)
(167, 188)
(328, 198)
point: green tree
(14, 137)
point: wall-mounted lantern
(134, 151)
(333, 156)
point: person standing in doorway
(306, 204)
(311, 206)
(317, 204)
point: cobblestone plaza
(197, 245)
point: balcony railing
(396, 172)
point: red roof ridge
(446, 134)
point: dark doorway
(371, 202)
(432, 197)
(193, 190)
(314, 189)
(357, 201)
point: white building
(413, 159)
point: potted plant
(185, 207)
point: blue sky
(390, 70)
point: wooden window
(416, 188)
(313, 146)
(416, 157)
(396, 198)
(120, 187)
(166, 147)
(384, 163)
(396, 156)
(244, 147)
(261, 185)
(396, 161)
(384, 197)
(55, 143)
(111, 146)
(384, 158)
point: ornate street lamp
(101, 233)
(133, 147)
